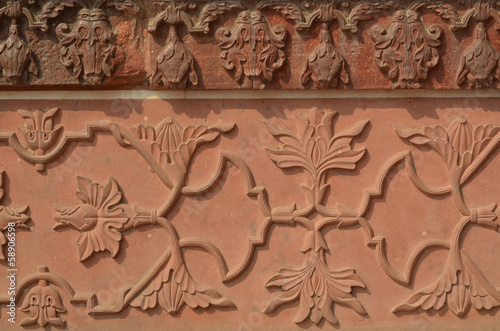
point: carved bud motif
(43, 302)
(252, 50)
(325, 66)
(175, 64)
(407, 50)
(479, 64)
(99, 217)
(16, 58)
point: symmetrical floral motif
(317, 150)
(43, 303)
(252, 50)
(408, 49)
(462, 148)
(99, 217)
(10, 217)
(88, 48)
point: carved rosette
(251, 50)
(408, 49)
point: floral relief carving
(10, 217)
(316, 149)
(17, 60)
(326, 66)
(462, 148)
(175, 63)
(88, 48)
(99, 217)
(408, 49)
(252, 50)
(479, 63)
(103, 219)
(43, 303)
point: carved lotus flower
(316, 148)
(174, 287)
(458, 145)
(42, 303)
(171, 143)
(39, 131)
(315, 285)
(99, 217)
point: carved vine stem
(462, 284)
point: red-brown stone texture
(248, 44)
(250, 214)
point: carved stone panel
(249, 213)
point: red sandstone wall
(140, 189)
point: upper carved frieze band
(250, 44)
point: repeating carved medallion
(87, 48)
(408, 49)
(252, 50)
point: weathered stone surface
(251, 214)
(249, 44)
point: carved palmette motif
(252, 50)
(88, 47)
(408, 49)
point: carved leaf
(53, 7)
(458, 287)
(290, 11)
(124, 5)
(317, 288)
(366, 10)
(210, 13)
(174, 287)
(446, 11)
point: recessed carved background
(252, 214)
